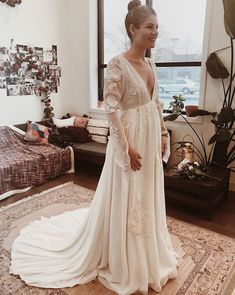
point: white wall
(36, 23)
(83, 38)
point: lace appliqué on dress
(139, 221)
(111, 104)
(113, 91)
(125, 119)
(132, 91)
(144, 122)
(114, 75)
(114, 132)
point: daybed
(24, 164)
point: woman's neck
(135, 54)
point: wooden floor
(222, 220)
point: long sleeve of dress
(113, 92)
(164, 131)
(160, 110)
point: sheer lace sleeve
(164, 130)
(113, 92)
(160, 106)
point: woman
(122, 238)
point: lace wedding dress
(122, 237)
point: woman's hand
(135, 158)
(164, 145)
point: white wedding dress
(122, 238)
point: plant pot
(190, 109)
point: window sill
(96, 112)
(193, 120)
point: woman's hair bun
(132, 4)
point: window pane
(179, 80)
(115, 37)
(181, 28)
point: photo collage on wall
(24, 69)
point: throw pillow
(99, 130)
(76, 134)
(37, 133)
(63, 122)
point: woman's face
(146, 35)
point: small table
(202, 196)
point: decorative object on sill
(190, 110)
(11, 3)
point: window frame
(102, 65)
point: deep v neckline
(141, 78)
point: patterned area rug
(207, 259)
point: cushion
(63, 122)
(99, 130)
(37, 133)
(76, 134)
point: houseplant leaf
(215, 67)
(171, 117)
(229, 17)
(222, 135)
(200, 112)
(226, 115)
(213, 139)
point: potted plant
(177, 104)
(190, 109)
(202, 154)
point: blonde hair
(136, 15)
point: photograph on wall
(50, 55)
(23, 69)
(38, 52)
(4, 58)
(13, 90)
(54, 54)
(2, 76)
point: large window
(178, 50)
